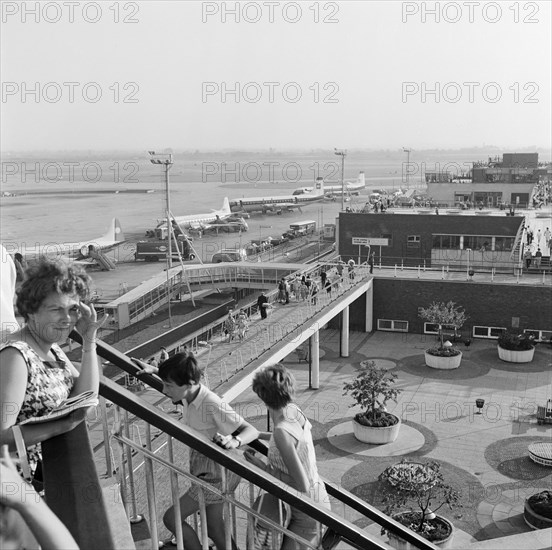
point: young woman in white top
(291, 455)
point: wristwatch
(238, 439)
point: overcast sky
(329, 74)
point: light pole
(407, 151)
(342, 153)
(167, 162)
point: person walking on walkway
(538, 258)
(242, 323)
(527, 257)
(262, 304)
(230, 326)
(351, 268)
(371, 262)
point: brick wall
(485, 304)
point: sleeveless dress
(49, 383)
(301, 523)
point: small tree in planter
(371, 389)
(441, 314)
(422, 488)
(516, 346)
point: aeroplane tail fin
(115, 231)
(319, 186)
(226, 206)
(361, 179)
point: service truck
(154, 250)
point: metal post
(167, 163)
(342, 153)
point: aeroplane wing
(289, 206)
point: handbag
(264, 536)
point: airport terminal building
(498, 182)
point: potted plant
(441, 314)
(421, 490)
(516, 346)
(538, 510)
(371, 389)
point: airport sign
(370, 241)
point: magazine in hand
(83, 400)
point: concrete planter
(524, 356)
(534, 520)
(376, 435)
(401, 544)
(443, 363)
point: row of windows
(482, 243)
(396, 325)
(475, 242)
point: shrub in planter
(444, 352)
(538, 510)
(371, 389)
(422, 488)
(516, 341)
(441, 314)
(541, 503)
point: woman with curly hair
(291, 455)
(36, 376)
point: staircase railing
(516, 254)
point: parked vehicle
(155, 250)
(229, 255)
(302, 228)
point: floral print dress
(49, 383)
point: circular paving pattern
(510, 457)
(415, 364)
(489, 356)
(408, 441)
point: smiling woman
(36, 376)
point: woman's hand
(88, 323)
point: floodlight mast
(167, 162)
(342, 153)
